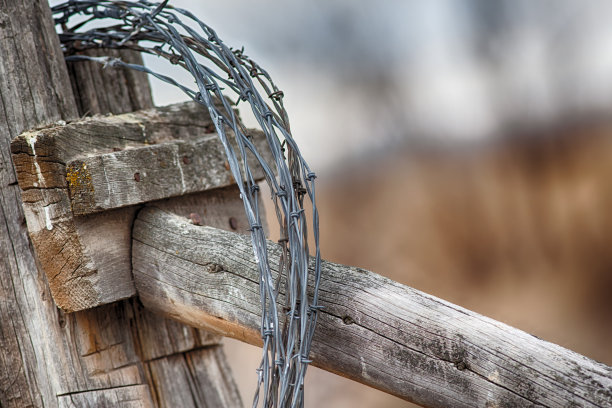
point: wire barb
(182, 39)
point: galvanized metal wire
(178, 36)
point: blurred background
(463, 148)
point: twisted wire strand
(160, 29)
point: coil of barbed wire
(219, 71)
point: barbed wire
(159, 29)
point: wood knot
(215, 268)
(348, 320)
(461, 365)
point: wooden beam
(372, 330)
(68, 171)
(138, 175)
(110, 162)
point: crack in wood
(117, 387)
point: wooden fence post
(111, 356)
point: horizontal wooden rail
(372, 330)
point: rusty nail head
(233, 222)
(195, 218)
(137, 176)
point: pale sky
(365, 75)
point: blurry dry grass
(519, 230)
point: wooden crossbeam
(372, 330)
(83, 182)
(135, 176)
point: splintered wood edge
(87, 259)
(79, 277)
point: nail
(195, 219)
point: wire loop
(184, 40)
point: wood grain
(49, 358)
(102, 163)
(134, 396)
(34, 89)
(101, 91)
(372, 330)
(138, 175)
(197, 378)
(159, 347)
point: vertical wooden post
(112, 356)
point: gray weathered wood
(62, 142)
(49, 358)
(372, 329)
(109, 90)
(142, 174)
(133, 396)
(103, 163)
(164, 346)
(34, 89)
(197, 378)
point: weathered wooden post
(87, 187)
(114, 355)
